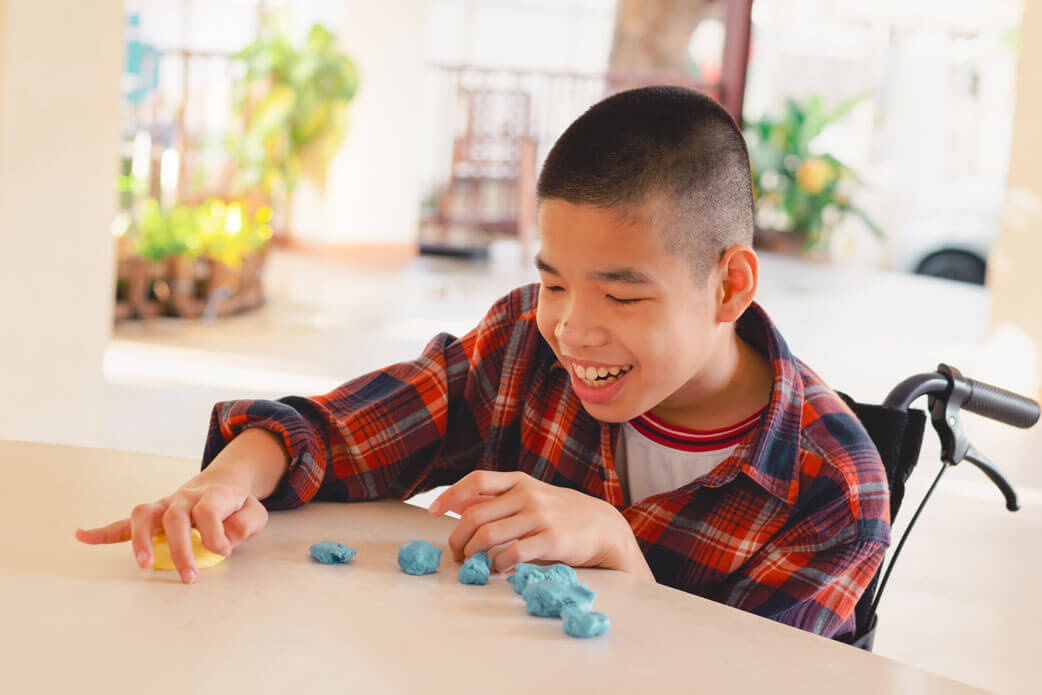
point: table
(81, 618)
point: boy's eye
(624, 301)
(617, 300)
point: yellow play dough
(161, 551)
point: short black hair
(669, 141)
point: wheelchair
(897, 431)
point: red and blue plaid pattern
(792, 526)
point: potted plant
(181, 261)
(291, 112)
(235, 244)
(801, 195)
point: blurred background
(202, 201)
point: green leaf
(846, 107)
(320, 39)
(275, 110)
(812, 124)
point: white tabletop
(269, 619)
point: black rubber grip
(1000, 404)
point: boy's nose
(579, 335)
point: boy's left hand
(549, 523)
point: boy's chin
(608, 412)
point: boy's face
(612, 296)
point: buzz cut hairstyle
(666, 141)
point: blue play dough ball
(329, 553)
(548, 597)
(525, 574)
(476, 569)
(419, 557)
(584, 623)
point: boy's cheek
(546, 329)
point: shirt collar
(771, 458)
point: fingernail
(435, 507)
(188, 576)
(142, 559)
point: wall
(1014, 265)
(372, 195)
(60, 64)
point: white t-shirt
(652, 457)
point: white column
(1013, 269)
(60, 65)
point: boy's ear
(737, 274)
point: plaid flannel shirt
(792, 526)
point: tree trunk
(655, 34)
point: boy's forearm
(256, 459)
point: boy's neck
(736, 385)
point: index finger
(474, 484)
(116, 532)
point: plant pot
(187, 287)
(789, 243)
(181, 274)
(139, 284)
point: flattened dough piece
(582, 623)
(548, 597)
(161, 551)
(526, 573)
(332, 553)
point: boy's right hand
(225, 514)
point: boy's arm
(381, 434)
(812, 574)
(814, 591)
(255, 460)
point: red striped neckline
(685, 439)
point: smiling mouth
(598, 377)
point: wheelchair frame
(949, 393)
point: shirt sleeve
(814, 591)
(813, 572)
(390, 433)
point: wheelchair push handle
(981, 398)
(999, 404)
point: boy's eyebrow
(544, 266)
(626, 275)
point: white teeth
(599, 383)
(589, 375)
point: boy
(635, 410)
